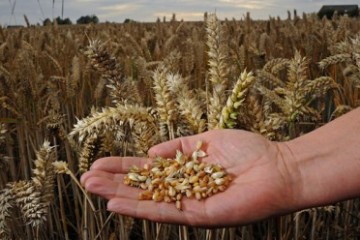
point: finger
(108, 189)
(192, 213)
(97, 173)
(184, 144)
(119, 164)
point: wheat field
(72, 94)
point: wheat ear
(189, 106)
(217, 70)
(6, 203)
(88, 152)
(110, 118)
(230, 111)
(166, 106)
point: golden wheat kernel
(168, 171)
(156, 181)
(133, 176)
(189, 164)
(142, 178)
(228, 178)
(196, 168)
(181, 187)
(208, 169)
(202, 183)
(178, 205)
(188, 193)
(219, 181)
(181, 180)
(201, 174)
(205, 179)
(155, 170)
(151, 187)
(178, 196)
(201, 153)
(222, 188)
(145, 173)
(211, 184)
(158, 174)
(126, 180)
(216, 175)
(146, 195)
(198, 195)
(134, 169)
(215, 190)
(201, 166)
(167, 199)
(143, 186)
(172, 191)
(209, 191)
(163, 192)
(173, 183)
(146, 167)
(161, 186)
(203, 195)
(196, 189)
(148, 180)
(157, 196)
(166, 184)
(217, 168)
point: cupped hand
(265, 181)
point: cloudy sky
(12, 11)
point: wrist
(328, 163)
(291, 172)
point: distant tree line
(82, 20)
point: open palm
(263, 181)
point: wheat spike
(144, 138)
(109, 118)
(88, 152)
(6, 203)
(274, 66)
(107, 65)
(217, 70)
(317, 87)
(43, 173)
(125, 91)
(190, 107)
(335, 59)
(166, 106)
(230, 111)
(28, 199)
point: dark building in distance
(329, 10)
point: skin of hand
(265, 181)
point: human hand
(263, 185)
